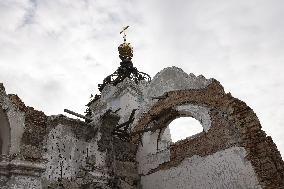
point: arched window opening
(4, 133)
(184, 127)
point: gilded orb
(125, 51)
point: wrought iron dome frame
(126, 70)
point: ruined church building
(123, 141)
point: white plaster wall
(17, 124)
(126, 95)
(174, 78)
(198, 112)
(152, 161)
(149, 143)
(227, 169)
(127, 101)
(165, 139)
(63, 146)
(16, 121)
(148, 156)
(148, 150)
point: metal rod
(161, 97)
(77, 115)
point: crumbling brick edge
(261, 150)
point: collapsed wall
(19, 161)
(231, 152)
(126, 143)
(49, 152)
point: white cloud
(184, 127)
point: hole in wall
(184, 127)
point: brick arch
(233, 124)
(5, 133)
(164, 110)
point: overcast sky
(55, 52)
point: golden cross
(124, 34)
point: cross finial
(125, 50)
(124, 34)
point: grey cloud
(30, 13)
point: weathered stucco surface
(148, 162)
(173, 78)
(65, 152)
(224, 169)
(201, 113)
(15, 172)
(18, 174)
(123, 97)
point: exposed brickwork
(82, 130)
(17, 102)
(194, 96)
(220, 136)
(35, 126)
(233, 124)
(30, 152)
(109, 121)
(35, 130)
(124, 151)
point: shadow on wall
(184, 127)
(4, 133)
